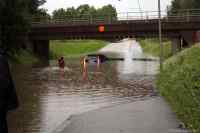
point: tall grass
(74, 48)
(24, 57)
(179, 83)
(152, 46)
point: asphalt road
(147, 116)
(152, 115)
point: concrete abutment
(185, 39)
(176, 45)
(41, 49)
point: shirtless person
(61, 63)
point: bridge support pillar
(189, 38)
(176, 45)
(41, 49)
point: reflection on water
(131, 50)
(136, 68)
(47, 99)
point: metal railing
(185, 15)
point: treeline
(16, 17)
(83, 11)
(184, 4)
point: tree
(41, 16)
(176, 5)
(108, 11)
(83, 11)
(92, 11)
(34, 4)
(183, 4)
(197, 4)
(71, 12)
(14, 22)
(59, 14)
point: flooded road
(48, 98)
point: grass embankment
(152, 46)
(74, 48)
(24, 57)
(179, 83)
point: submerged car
(93, 58)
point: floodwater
(48, 97)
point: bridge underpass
(181, 29)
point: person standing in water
(61, 64)
(84, 68)
(8, 96)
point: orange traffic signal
(101, 28)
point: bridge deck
(72, 28)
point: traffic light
(101, 28)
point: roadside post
(160, 35)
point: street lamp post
(160, 35)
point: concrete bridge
(181, 28)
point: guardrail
(185, 15)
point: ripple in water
(47, 99)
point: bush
(24, 57)
(179, 83)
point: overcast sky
(121, 6)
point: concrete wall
(191, 37)
(188, 38)
(41, 49)
(176, 45)
(184, 39)
(197, 36)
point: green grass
(74, 48)
(179, 83)
(152, 46)
(24, 57)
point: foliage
(179, 83)
(74, 48)
(24, 57)
(14, 22)
(183, 4)
(85, 11)
(58, 14)
(107, 10)
(152, 46)
(34, 4)
(41, 15)
(71, 12)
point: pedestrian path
(148, 116)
